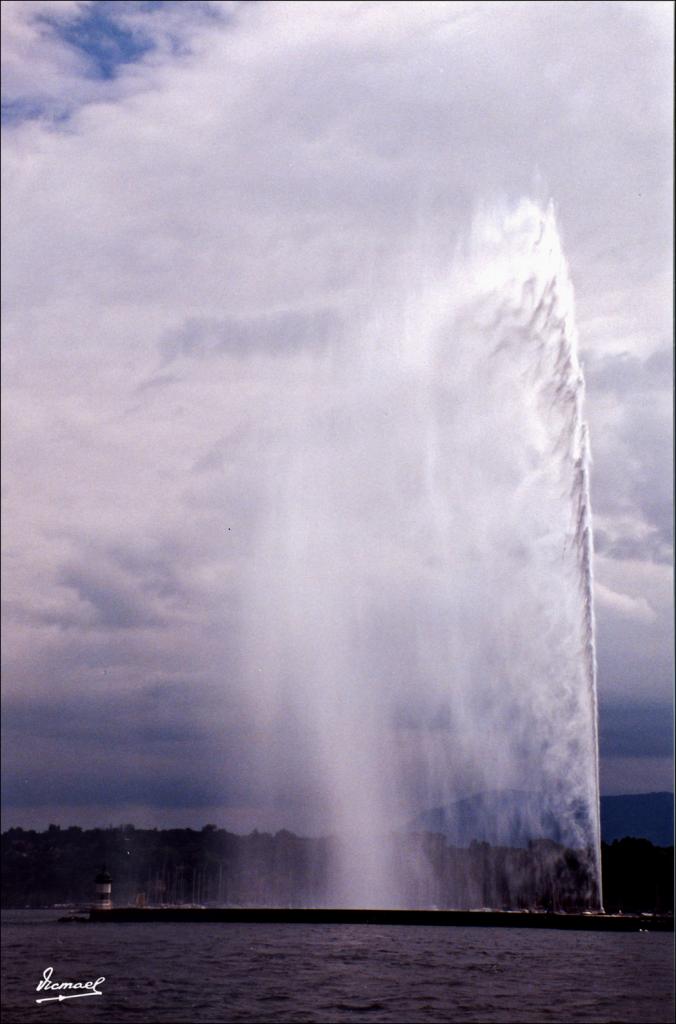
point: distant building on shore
(103, 882)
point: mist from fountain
(417, 621)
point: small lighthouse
(103, 883)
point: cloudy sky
(192, 191)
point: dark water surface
(334, 973)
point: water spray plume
(418, 613)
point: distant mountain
(513, 817)
(508, 817)
(641, 815)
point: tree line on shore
(216, 867)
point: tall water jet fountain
(417, 621)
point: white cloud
(632, 607)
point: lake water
(163, 973)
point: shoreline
(329, 915)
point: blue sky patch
(20, 110)
(100, 35)
(106, 39)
